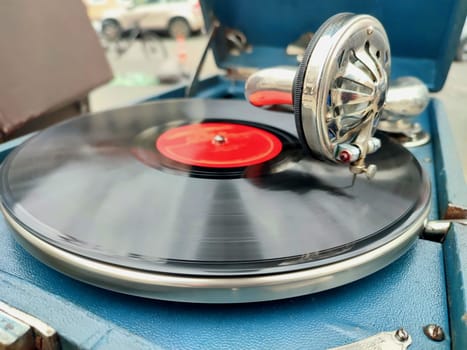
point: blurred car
(461, 54)
(97, 8)
(177, 17)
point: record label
(219, 145)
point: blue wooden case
(427, 285)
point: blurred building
(97, 8)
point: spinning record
(206, 201)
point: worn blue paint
(455, 252)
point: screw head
(401, 335)
(369, 30)
(434, 332)
(345, 156)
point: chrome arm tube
(271, 87)
(406, 96)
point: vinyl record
(205, 193)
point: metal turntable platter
(99, 199)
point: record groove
(97, 187)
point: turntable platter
(111, 199)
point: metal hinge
(397, 340)
(21, 331)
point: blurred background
(153, 45)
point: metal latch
(21, 331)
(396, 340)
(436, 230)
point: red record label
(219, 145)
